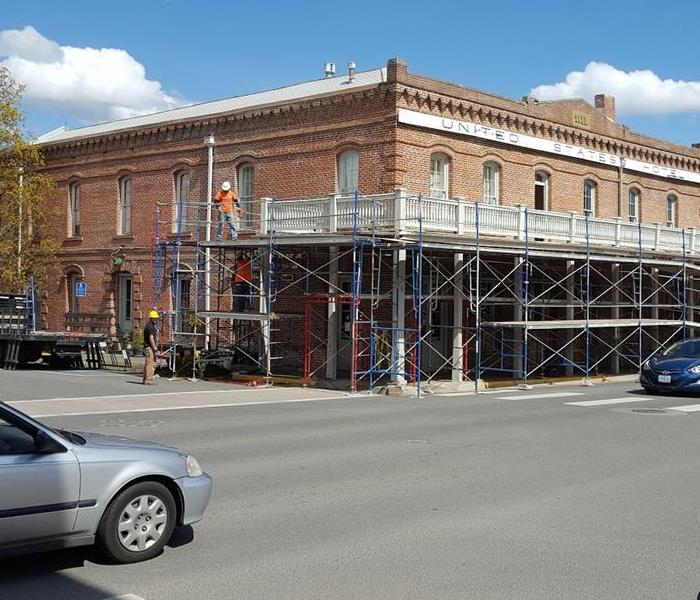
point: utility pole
(209, 143)
(20, 171)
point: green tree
(25, 248)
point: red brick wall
(288, 160)
(294, 151)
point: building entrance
(125, 304)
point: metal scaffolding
(374, 291)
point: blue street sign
(80, 289)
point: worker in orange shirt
(243, 283)
(230, 211)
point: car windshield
(688, 348)
(70, 436)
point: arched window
(125, 205)
(439, 176)
(492, 183)
(244, 177)
(671, 211)
(180, 202)
(541, 190)
(348, 172)
(74, 210)
(589, 198)
(633, 205)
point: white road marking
(78, 373)
(540, 396)
(194, 406)
(173, 393)
(125, 597)
(624, 400)
(688, 408)
(471, 392)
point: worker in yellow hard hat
(150, 348)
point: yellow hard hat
(153, 315)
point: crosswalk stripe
(539, 396)
(687, 408)
(624, 400)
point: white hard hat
(226, 186)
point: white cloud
(88, 84)
(636, 92)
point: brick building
(481, 190)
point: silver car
(60, 489)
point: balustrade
(401, 212)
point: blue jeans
(243, 292)
(231, 219)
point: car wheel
(137, 523)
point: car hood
(99, 440)
(674, 364)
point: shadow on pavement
(39, 576)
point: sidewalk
(128, 395)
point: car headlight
(695, 369)
(193, 468)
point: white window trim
(672, 207)
(178, 177)
(73, 201)
(343, 173)
(122, 196)
(492, 170)
(633, 217)
(590, 192)
(440, 176)
(545, 185)
(246, 200)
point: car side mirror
(43, 444)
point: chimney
(696, 145)
(606, 105)
(395, 69)
(351, 70)
(329, 69)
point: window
(492, 183)
(180, 202)
(125, 290)
(14, 440)
(589, 198)
(541, 190)
(439, 176)
(634, 205)
(74, 210)
(181, 290)
(185, 293)
(244, 176)
(125, 205)
(671, 211)
(348, 172)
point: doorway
(541, 191)
(125, 303)
(344, 315)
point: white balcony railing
(400, 213)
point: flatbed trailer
(21, 344)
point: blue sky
(209, 49)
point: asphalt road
(498, 496)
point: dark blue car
(674, 370)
